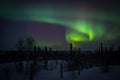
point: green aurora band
(80, 25)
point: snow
(52, 72)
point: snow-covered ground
(52, 72)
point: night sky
(57, 23)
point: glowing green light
(75, 37)
(80, 24)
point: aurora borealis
(81, 22)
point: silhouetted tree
(50, 50)
(30, 43)
(46, 52)
(101, 49)
(35, 56)
(79, 51)
(20, 45)
(35, 53)
(71, 47)
(45, 57)
(71, 51)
